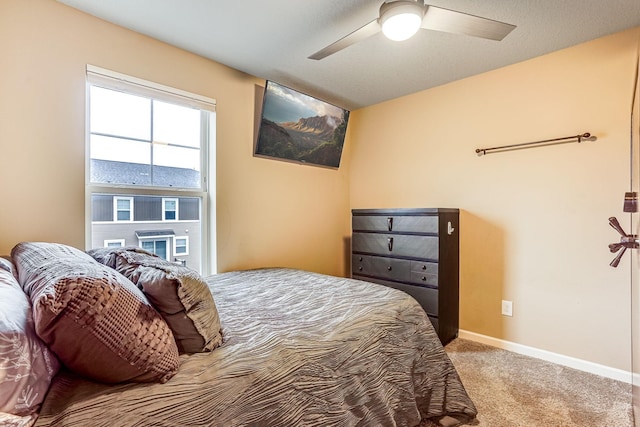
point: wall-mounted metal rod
(579, 138)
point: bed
(298, 349)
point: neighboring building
(167, 226)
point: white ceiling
(272, 39)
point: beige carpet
(511, 390)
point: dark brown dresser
(416, 251)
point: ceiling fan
(401, 19)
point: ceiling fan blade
(358, 35)
(451, 21)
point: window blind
(118, 81)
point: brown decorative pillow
(108, 256)
(26, 364)
(178, 293)
(95, 320)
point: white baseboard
(571, 362)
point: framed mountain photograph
(300, 128)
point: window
(114, 243)
(181, 246)
(169, 209)
(123, 209)
(148, 149)
(158, 247)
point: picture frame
(299, 128)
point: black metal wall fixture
(563, 140)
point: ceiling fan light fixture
(401, 19)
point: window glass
(176, 125)
(158, 247)
(144, 142)
(117, 243)
(123, 209)
(176, 157)
(182, 246)
(120, 149)
(119, 114)
(170, 209)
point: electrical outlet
(507, 308)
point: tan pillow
(107, 256)
(95, 320)
(178, 293)
(26, 364)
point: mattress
(299, 349)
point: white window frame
(118, 81)
(175, 246)
(116, 199)
(164, 208)
(164, 238)
(109, 241)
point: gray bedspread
(299, 349)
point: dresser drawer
(428, 298)
(397, 223)
(396, 245)
(424, 273)
(388, 268)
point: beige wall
(268, 212)
(534, 222)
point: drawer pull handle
(389, 268)
(360, 268)
(390, 243)
(424, 267)
(360, 259)
(390, 223)
(424, 279)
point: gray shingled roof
(105, 171)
